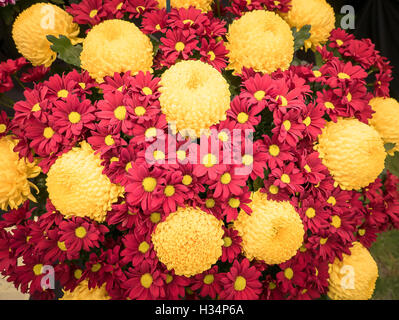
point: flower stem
(18, 81)
(5, 101)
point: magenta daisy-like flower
(104, 139)
(178, 44)
(228, 183)
(138, 248)
(35, 105)
(173, 191)
(208, 283)
(214, 53)
(289, 127)
(175, 285)
(119, 82)
(313, 214)
(72, 116)
(241, 282)
(277, 152)
(146, 86)
(87, 12)
(136, 8)
(288, 177)
(188, 18)
(155, 21)
(231, 205)
(122, 216)
(231, 244)
(243, 114)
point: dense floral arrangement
(187, 152)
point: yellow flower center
(147, 91)
(284, 101)
(48, 132)
(259, 95)
(211, 55)
(37, 269)
(155, 217)
(339, 42)
(169, 190)
(62, 93)
(120, 113)
(287, 125)
(285, 178)
(80, 232)
(247, 159)
(210, 203)
(349, 97)
(343, 75)
(242, 117)
(150, 132)
(179, 46)
(329, 105)
(225, 178)
(289, 273)
(240, 283)
(191, 22)
(307, 168)
(158, 155)
(276, 3)
(307, 121)
(93, 13)
(95, 267)
(227, 242)
(140, 9)
(336, 221)
(272, 285)
(169, 278)
(362, 232)
(158, 27)
(317, 73)
(74, 117)
(223, 136)
(77, 274)
(139, 111)
(149, 184)
(234, 203)
(82, 85)
(323, 241)
(128, 166)
(209, 278)
(331, 200)
(273, 189)
(109, 141)
(61, 245)
(36, 107)
(143, 247)
(209, 160)
(310, 213)
(146, 280)
(3, 128)
(274, 150)
(187, 179)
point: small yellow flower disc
(354, 277)
(203, 5)
(272, 233)
(115, 46)
(261, 40)
(15, 188)
(77, 186)
(188, 241)
(33, 25)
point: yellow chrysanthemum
(316, 13)
(15, 188)
(82, 292)
(77, 186)
(273, 232)
(33, 25)
(188, 241)
(354, 277)
(386, 118)
(260, 40)
(352, 151)
(194, 95)
(115, 46)
(203, 5)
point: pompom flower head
(194, 95)
(188, 241)
(352, 151)
(386, 118)
(77, 186)
(115, 46)
(272, 233)
(316, 13)
(354, 277)
(15, 187)
(261, 40)
(203, 5)
(33, 25)
(82, 292)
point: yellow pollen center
(362, 232)
(323, 241)
(74, 117)
(120, 113)
(169, 191)
(287, 125)
(289, 273)
(61, 245)
(209, 278)
(247, 159)
(3, 128)
(109, 141)
(336, 221)
(349, 97)
(211, 55)
(329, 105)
(179, 46)
(149, 184)
(150, 132)
(158, 155)
(36, 107)
(272, 285)
(317, 73)
(139, 111)
(143, 247)
(307, 121)
(285, 178)
(259, 95)
(331, 200)
(310, 213)
(128, 166)
(210, 203)
(191, 22)
(240, 283)
(343, 75)
(234, 203)
(158, 27)
(284, 101)
(225, 178)
(62, 93)
(273, 189)
(48, 132)
(223, 136)
(209, 160)
(155, 217)
(187, 179)
(93, 13)
(307, 168)
(82, 85)
(140, 9)
(146, 280)
(77, 274)
(242, 117)
(95, 267)
(169, 278)
(227, 242)
(80, 232)
(37, 269)
(339, 42)
(147, 91)
(274, 150)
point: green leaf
(65, 50)
(258, 183)
(389, 146)
(300, 36)
(392, 163)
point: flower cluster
(184, 181)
